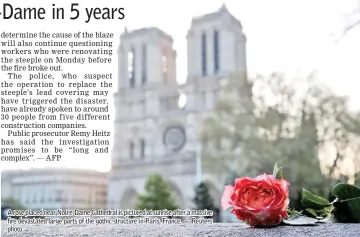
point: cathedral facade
(153, 134)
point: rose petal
(285, 184)
(241, 182)
(225, 200)
(261, 201)
(286, 204)
(266, 177)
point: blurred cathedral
(153, 134)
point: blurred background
(177, 142)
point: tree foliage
(157, 195)
(296, 122)
(12, 203)
(203, 199)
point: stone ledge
(187, 230)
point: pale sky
(283, 35)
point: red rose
(260, 202)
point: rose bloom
(259, 202)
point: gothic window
(174, 138)
(164, 68)
(34, 198)
(42, 199)
(163, 104)
(58, 195)
(169, 103)
(131, 149)
(65, 197)
(136, 107)
(203, 55)
(203, 99)
(49, 196)
(144, 66)
(175, 102)
(131, 108)
(216, 52)
(142, 145)
(143, 107)
(131, 67)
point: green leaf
(350, 195)
(312, 212)
(300, 220)
(342, 213)
(291, 212)
(277, 172)
(310, 200)
(318, 214)
(345, 191)
(328, 219)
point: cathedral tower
(150, 128)
(216, 46)
(146, 58)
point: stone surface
(187, 230)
